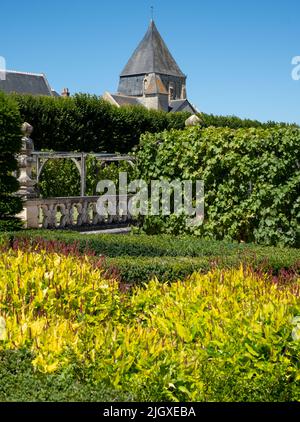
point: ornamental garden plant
(228, 335)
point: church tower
(152, 70)
(152, 77)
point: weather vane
(152, 12)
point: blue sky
(237, 54)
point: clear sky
(237, 54)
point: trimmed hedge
(88, 123)
(138, 258)
(234, 122)
(251, 179)
(21, 382)
(10, 144)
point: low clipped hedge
(136, 270)
(138, 258)
(21, 382)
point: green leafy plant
(228, 335)
(251, 178)
(10, 145)
(89, 124)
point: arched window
(171, 91)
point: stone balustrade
(71, 212)
(78, 212)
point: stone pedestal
(27, 186)
(30, 214)
(25, 161)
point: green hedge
(21, 382)
(234, 122)
(88, 123)
(138, 258)
(10, 144)
(251, 178)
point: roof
(152, 56)
(25, 83)
(174, 105)
(54, 93)
(181, 105)
(124, 100)
(120, 100)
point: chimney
(65, 93)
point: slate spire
(152, 56)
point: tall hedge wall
(251, 176)
(88, 123)
(10, 144)
(235, 122)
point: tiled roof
(125, 100)
(25, 83)
(152, 56)
(181, 105)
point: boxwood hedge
(138, 258)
